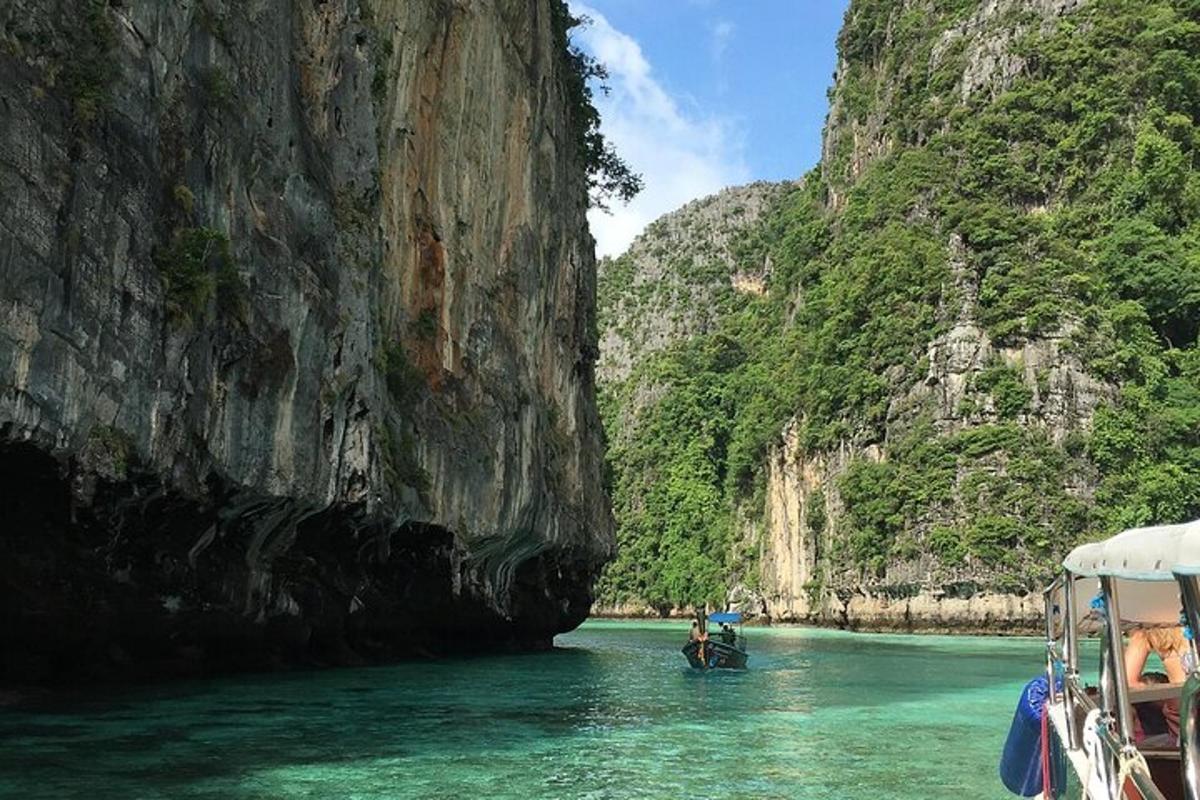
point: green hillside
(1020, 182)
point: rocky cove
(791, 521)
(306, 357)
(894, 393)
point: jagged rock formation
(681, 274)
(970, 350)
(296, 334)
(879, 61)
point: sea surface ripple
(613, 712)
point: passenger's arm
(1136, 653)
(1173, 664)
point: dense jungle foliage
(1066, 199)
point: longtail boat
(724, 648)
(1120, 738)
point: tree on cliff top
(609, 175)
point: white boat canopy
(1140, 554)
(1143, 560)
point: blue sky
(707, 94)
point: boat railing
(1066, 687)
(1188, 733)
(1054, 653)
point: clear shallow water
(613, 713)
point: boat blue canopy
(725, 617)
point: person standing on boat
(700, 636)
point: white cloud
(683, 154)
(722, 32)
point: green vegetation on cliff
(608, 174)
(1060, 203)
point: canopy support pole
(1116, 658)
(1189, 592)
(1189, 704)
(1070, 658)
(1051, 641)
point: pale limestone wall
(660, 305)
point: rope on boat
(1097, 785)
(1095, 779)
(1130, 760)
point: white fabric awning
(1141, 603)
(1140, 554)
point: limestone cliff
(975, 344)
(806, 522)
(681, 274)
(296, 333)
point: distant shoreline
(996, 627)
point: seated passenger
(1156, 723)
(1168, 644)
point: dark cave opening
(129, 580)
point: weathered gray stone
(679, 267)
(386, 407)
(990, 62)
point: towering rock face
(681, 275)
(975, 345)
(296, 333)
(963, 383)
(887, 58)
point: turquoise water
(613, 713)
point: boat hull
(716, 655)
